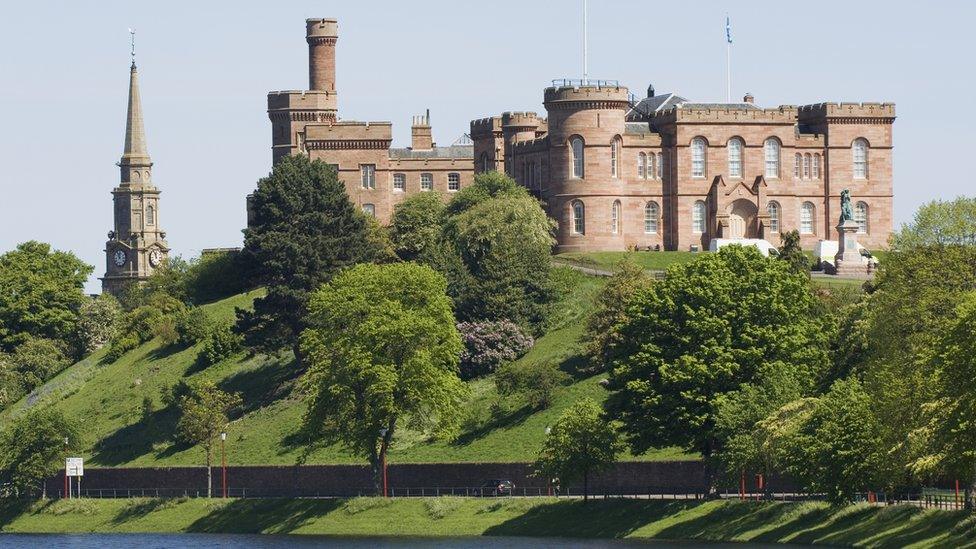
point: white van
(763, 246)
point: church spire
(135, 152)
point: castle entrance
(742, 219)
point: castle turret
(517, 126)
(321, 35)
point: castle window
(150, 216)
(698, 157)
(368, 173)
(860, 153)
(615, 217)
(650, 218)
(660, 166)
(806, 218)
(576, 144)
(797, 161)
(698, 217)
(369, 209)
(861, 217)
(816, 166)
(652, 166)
(579, 219)
(485, 162)
(771, 154)
(806, 166)
(773, 209)
(399, 182)
(426, 182)
(615, 157)
(454, 182)
(641, 161)
(735, 157)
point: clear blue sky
(206, 66)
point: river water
(235, 541)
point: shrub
(192, 326)
(153, 319)
(440, 507)
(38, 360)
(98, 321)
(122, 345)
(489, 344)
(215, 276)
(10, 387)
(221, 342)
(535, 383)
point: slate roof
(454, 151)
(660, 102)
(743, 106)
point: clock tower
(136, 244)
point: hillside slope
(107, 400)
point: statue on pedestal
(846, 210)
(848, 259)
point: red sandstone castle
(617, 172)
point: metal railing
(579, 82)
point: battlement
(728, 113)
(539, 144)
(847, 110)
(310, 100)
(609, 96)
(321, 28)
(520, 120)
(485, 127)
(349, 130)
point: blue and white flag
(728, 29)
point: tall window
(806, 166)
(698, 217)
(735, 157)
(797, 160)
(773, 209)
(816, 166)
(651, 166)
(150, 216)
(641, 161)
(579, 219)
(368, 172)
(453, 181)
(861, 217)
(426, 182)
(698, 157)
(771, 154)
(369, 209)
(399, 182)
(806, 218)
(650, 218)
(660, 165)
(860, 153)
(485, 162)
(576, 144)
(615, 157)
(615, 217)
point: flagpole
(585, 75)
(728, 59)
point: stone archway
(742, 219)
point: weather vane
(132, 38)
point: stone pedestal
(848, 260)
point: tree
(98, 320)
(383, 350)
(303, 230)
(535, 383)
(169, 279)
(33, 448)
(939, 223)
(203, 416)
(416, 225)
(611, 311)
(38, 360)
(791, 252)
(721, 321)
(41, 294)
(580, 443)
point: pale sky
(206, 67)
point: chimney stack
(421, 138)
(321, 35)
(748, 98)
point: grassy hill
(106, 401)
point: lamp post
(66, 494)
(383, 432)
(549, 430)
(223, 463)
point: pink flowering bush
(490, 343)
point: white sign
(74, 467)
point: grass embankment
(801, 523)
(106, 401)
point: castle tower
(136, 245)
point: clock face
(120, 258)
(155, 257)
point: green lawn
(797, 523)
(608, 260)
(105, 400)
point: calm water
(228, 541)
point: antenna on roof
(585, 75)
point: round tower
(321, 35)
(517, 126)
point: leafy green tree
(11, 388)
(41, 294)
(204, 413)
(215, 276)
(169, 279)
(939, 223)
(486, 186)
(193, 325)
(535, 383)
(611, 311)
(581, 443)
(721, 321)
(38, 360)
(303, 230)
(98, 321)
(791, 252)
(221, 342)
(383, 350)
(33, 448)
(378, 242)
(416, 226)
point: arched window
(698, 217)
(660, 166)
(806, 218)
(615, 157)
(773, 209)
(579, 218)
(615, 217)
(797, 160)
(771, 154)
(806, 166)
(735, 157)
(861, 217)
(576, 144)
(860, 153)
(150, 215)
(485, 162)
(650, 218)
(698, 157)
(641, 161)
(816, 166)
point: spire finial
(132, 40)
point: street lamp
(66, 494)
(549, 430)
(223, 462)
(383, 432)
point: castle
(614, 171)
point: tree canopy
(33, 447)
(415, 226)
(940, 223)
(204, 413)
